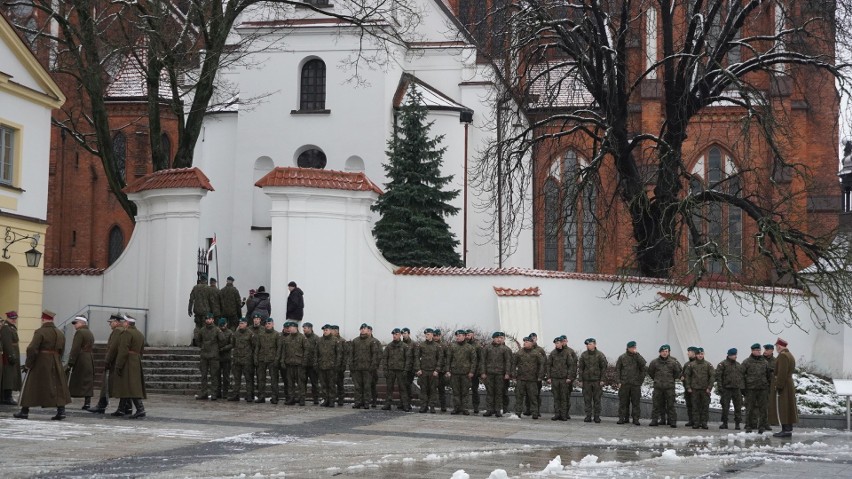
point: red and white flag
(212, 248)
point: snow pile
(815, 395)
(460, 474)
(670, 455)
(555, 466)
(498, 474)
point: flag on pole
(212, 248)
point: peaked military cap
(12, 315)
(114, 317)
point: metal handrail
(88, 309)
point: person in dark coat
(130, 380)
(232, 303)
(81, 364)
(117, 328)
(295, 302)
(46, 384)
(262, 304)
(10, 380)
(782, 405)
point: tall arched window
(312, 91)
(720, 224)
(551, 224)
(119, 151)
(116, 244)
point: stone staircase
(171, 370)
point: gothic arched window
(119, 151)
(312, 91)
(551, 224)
(116, 244)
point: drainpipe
(466, 117)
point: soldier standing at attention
(540, 350)
(10, 379)
(630, 373)
(365, 353)
(345, 353)
(494, 369)
(782, 407)
(590, 370)
(114, 322)
(687, 396)
(560, 370)
(81, 365)
(769, 356)
(409, 374)
(209, 338)
(268, 344)
(474, 381)
(223, 391)
(296, 350)
(396, 360)
(327, 362)
(242, 353)
(527, 369)
(699, 382)
(442, 377)
(310, 369)
(461, 366)
(129, 378)
(730, 384)
(757, 376)
(199, 304)
(571, 377)
(232, 303)
(664, 371)
(427, 368)
(374, 368)
(46, 384)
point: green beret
(270, 320)
(306, 324)
(428, 331)
(769, 346)
(665, 347)
(468, 331)
(557, 339)
(460, 331)
(243, 320)
(631, 344)
(256, 315)
(563, 337)
(732, 351)
(209, 315)
(590, 340)
(363, 326)
(527, 339)
(396, 331)
(326, 326)
(437, 331)
(692, 348)
(496, 334)
(223, 321)
(406, 330)
(335, 327)
(699, 350)
(755, 346)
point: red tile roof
(73, 271)
(673, 296)
(533, 291)
(314, 178)
(175, 178)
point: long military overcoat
(782, 399)
(129, 379)
(46, 384)
(82, 364)
(11, 360)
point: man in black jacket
(295, 302)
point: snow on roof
(433, 99)
(130, 82)
(557, 86)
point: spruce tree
(412, 230)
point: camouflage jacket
(561, 364)
(227, 347)
(756, 372)
(328, 353)
(460, 359)
(267, 345)
(729, 375)
(664, 372)
(428, 356)
(242, 347)
(496, 359)
(210, 339)
(528, 365)
(396, 356)
(699, 375)
(591, 366)
(295, 350)
(630, 369)
(365, 354)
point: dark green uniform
(699, 378)
(224, 389)
(327, 361)
(11, 362)
(81, 383)
(374, 372)
(757, 374)
(630, 373)
(730, 384)
(409, 374)
(590, 370)
(540, 350)
(46, 385)
(199, 304)
(396, 359)
(561, 369)
(214, 301)
(528, 370)
(461, 364)
(109, 372)
(268, 345)
(764, 420)
(427, 365)
(664, 372)
(442, 377)
(232, 305)
(295, 353)
(364, 358)
(129, 375)
(687, 396)
(311, 375)
(496, 365)
(209, 339)
(340, 378)
(474, 381)
(242, 362)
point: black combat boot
(119, 412)
(386, 407)
(654, 422)
(621, 421)
(356, 406)
(24, 414)
(737, 426)
(140, 409)
(100, 407)
(431, 410)
(87, 403)
(724, 425)
(7, 398)
(60, 414)
(636, 422)
(498, 414)
(588, 419)
(260, 400)
(597, 419)
(424, 409)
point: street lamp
(33, 255)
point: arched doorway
(9, 285)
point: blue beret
(732, 351)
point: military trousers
(442, 389)
(756, 403)
(374, 382)
(296, 386)
(224, 379)
(506, 395)
(233, 321)
(700, 406)
(474, 392)
(592, 392)
(687, 398)
(312, 377)
(209, 373)
(764, 419)
(494, 392)
(362, 379)
(284, 386)
(561, 391)
(327, 379)
(628, 401)
(460, 384)
(395, 378)
(663, 400)
(727, 396)
(409, 382)
(240, 371)
(267, 369)
(340, 382)
(428, 384)
(526, 392)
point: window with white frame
(7, 155)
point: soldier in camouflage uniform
(225, 360)
(210, 339)
(396, 358)
(442, 377)
(560, 370)
(495, 368)
(243, 344)
(409, 374)
(461, 366)
(213, 299)
(232, 303)
(365, 355)
(769, 356)
(590, 372)
(474, 381)
(346, 353)
(687, 396)
(199, 305)
(534, 338)
(757, 376)
(295, 353)
(266, 354)
(730, 384)
(374, 369)
(572, 377)
(527, 369)
(699, 381)
(327, 362)
(664, 371)
(428, 356)
(630, 374)
(310, 370)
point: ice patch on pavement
(264, 438)
(33, 430)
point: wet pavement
(182, 437)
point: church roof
(557, 86)
(174, 178)
(73, 271)
(314, 178)
(433, 99)
(129, 82)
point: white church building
(285, 174)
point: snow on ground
(56, 430)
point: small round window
(312, 158)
